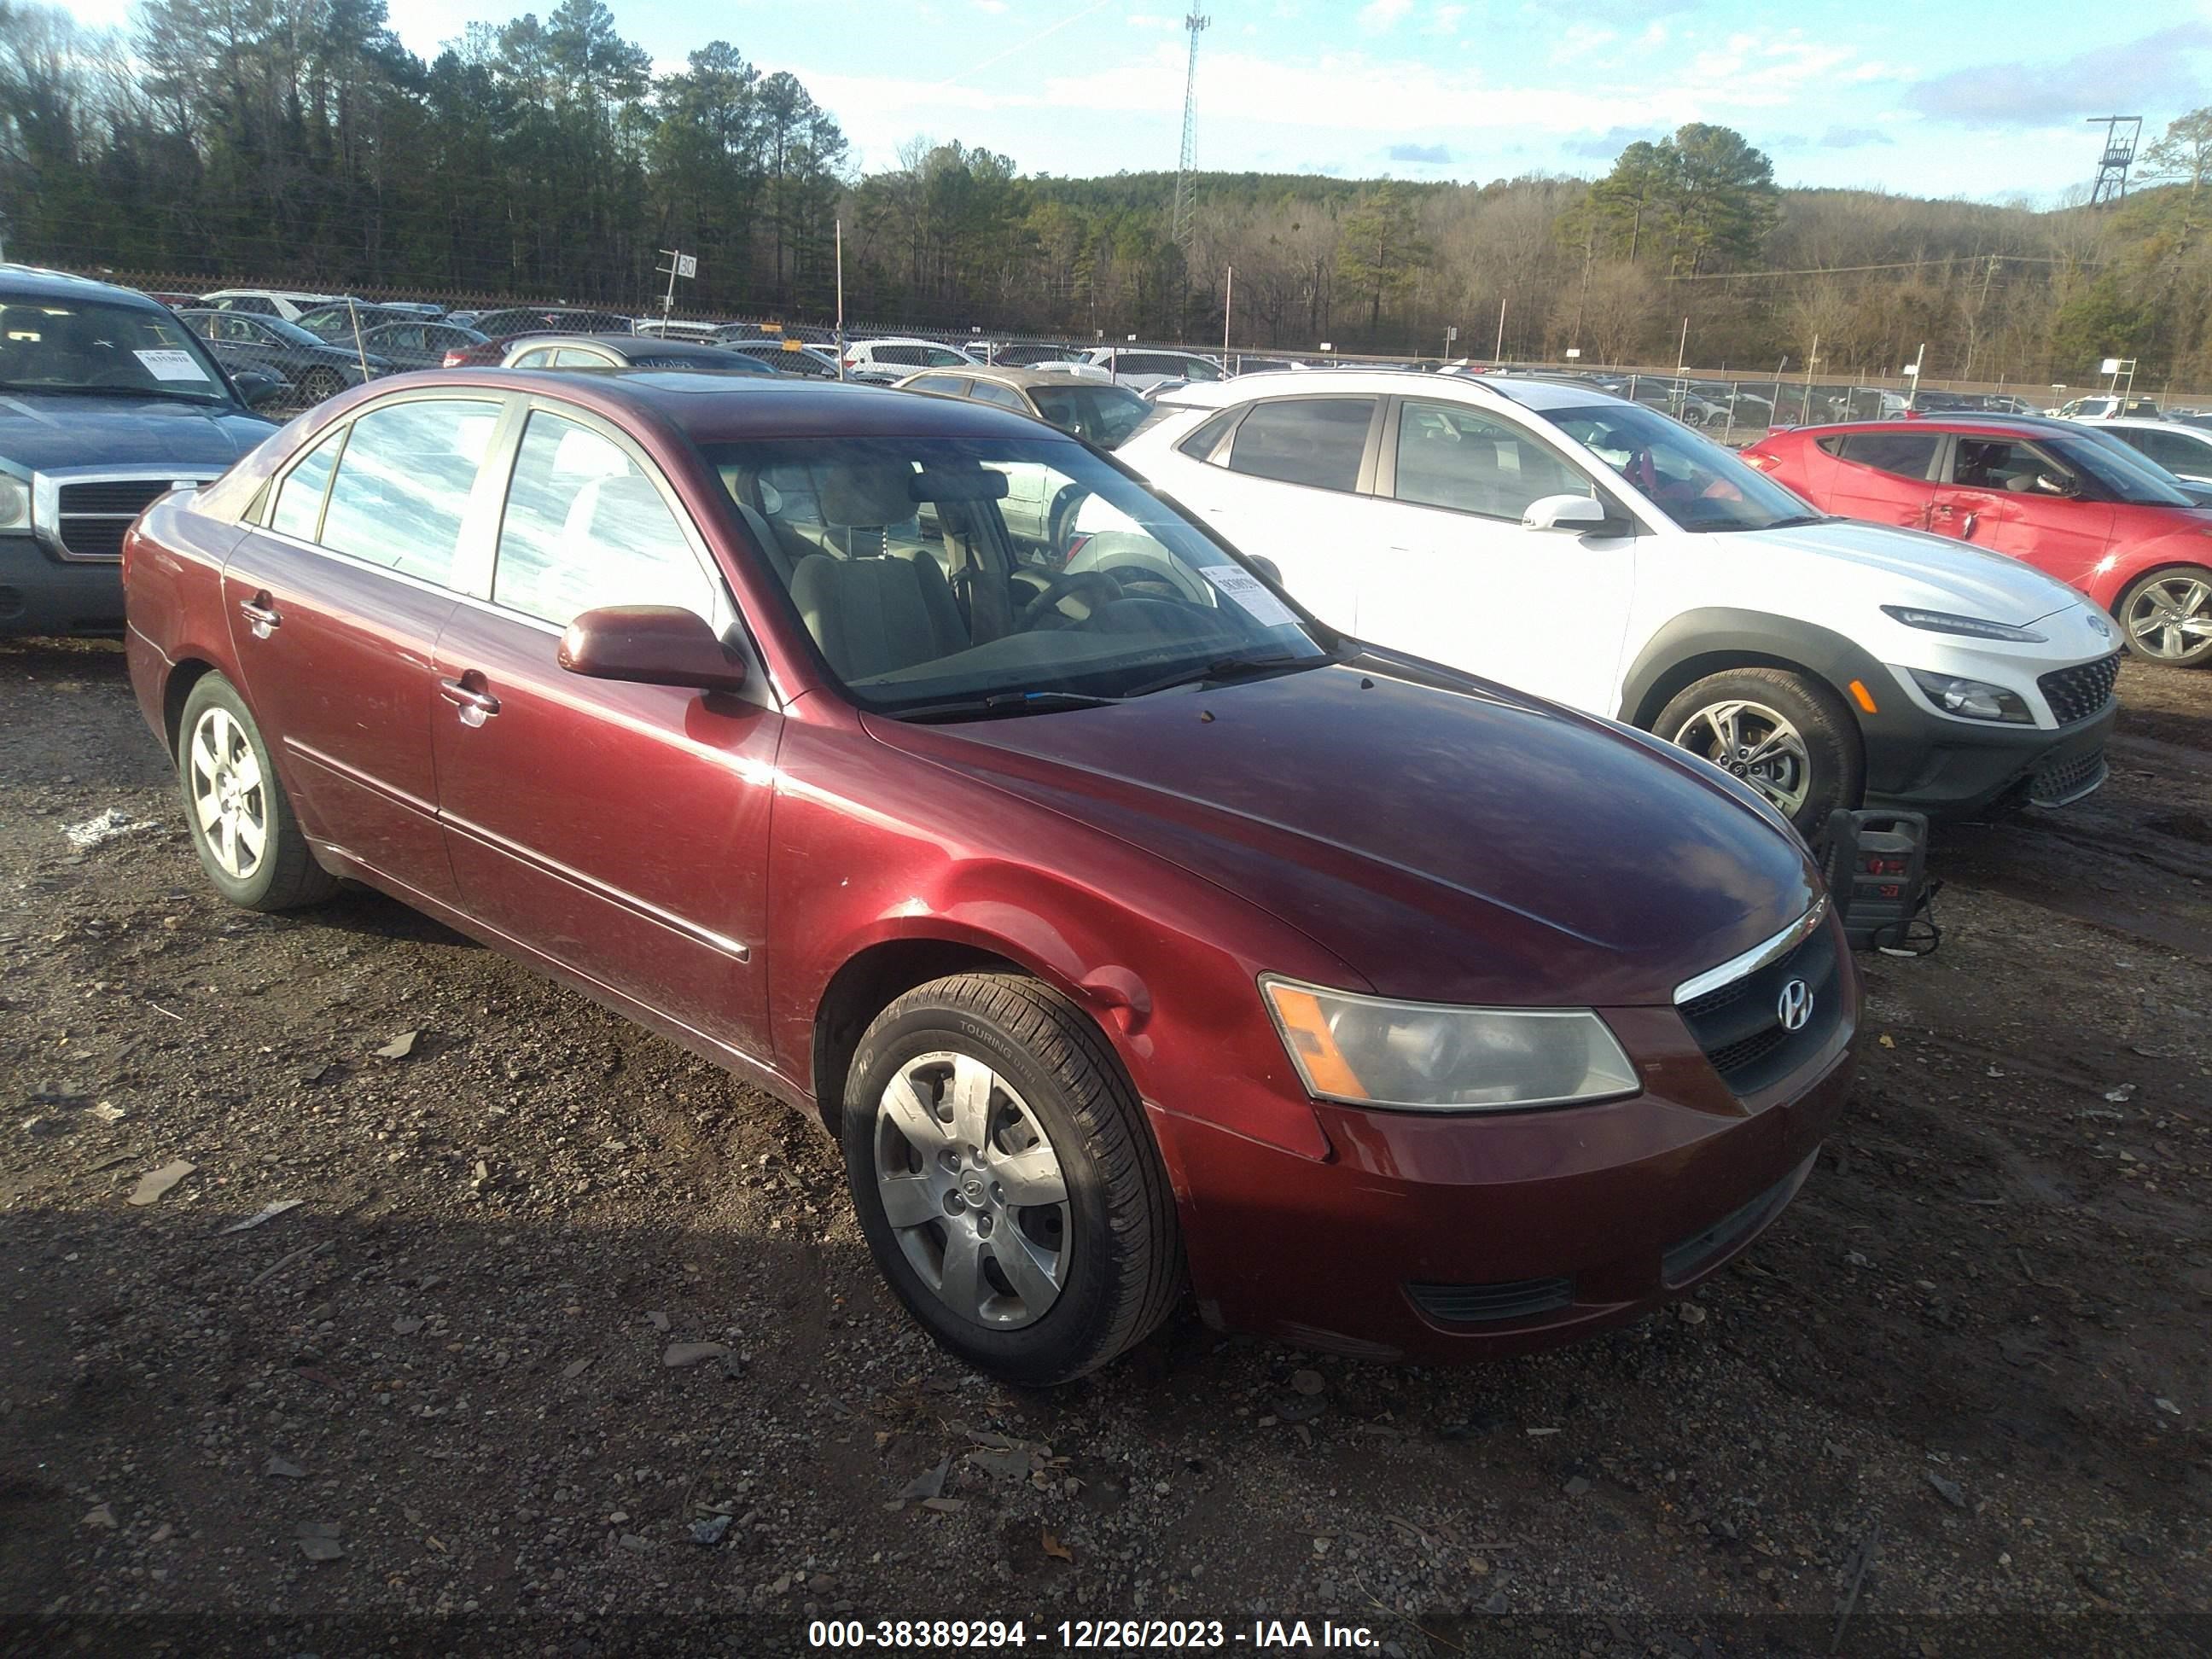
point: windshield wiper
(17, 388)
(1225, 668)
(1000, 704)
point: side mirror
(1266, 566)
(258, 390)
(650, 645)
(1582, 514)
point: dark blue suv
(107, 401)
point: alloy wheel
(1757, 744)
(230, 798)
(2170, 617)
(972, 1190)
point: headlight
(1415, 1055)
(14, 506)
(1942, 622)
(1973, 699)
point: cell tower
(2121, 132)
(1195, 22)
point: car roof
(655, 343)
(1955, 420)
(2148, 424)
(37, 282)
(1023, 378)
(713, 408)
(1526, 393)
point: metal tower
(1195, 22)
(2121, 132)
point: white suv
(901, 357)
(1140, 368)
(1593, 551)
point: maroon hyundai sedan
(1136, 935)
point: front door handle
(1967, 529)
(477, 704)
(261, 615)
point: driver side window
(1456, 458)
(2000, 464)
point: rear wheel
(1787, 736)
(1005, 1180)
(242, 826)
(2167, 616)
(318, 384)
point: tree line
(299, 142)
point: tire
(2166, 616)
(1830, 763)
(1094, 1271)
(1060, 522)
(214, 739)
(318, 384)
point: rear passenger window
(1907, 454)
(1201, 444)
(299, 510)
(403, 484)
(1308, 441)
(990, 391)
(949, 386)
(584, 527)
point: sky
(1964, 98)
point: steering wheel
(1074, 582)
(1646, 475)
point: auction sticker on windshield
(171, 365)
(1251, 595)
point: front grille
(1739, 1024)
(1492, 1304)
(2067, 780)
(2076, 693)
(1686, 1259)
(94, 515)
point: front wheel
(1005, 1180)
(1787, 736)
(2167, 616)
(242, 826)
(318, 385)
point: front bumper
(1440, 1238)
(41, 594)
(1957, 768)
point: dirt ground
(1955, 1402)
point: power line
(1899, 265)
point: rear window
(1310, 441)
(1905, 454)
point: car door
(1280, 480)
(1884, 477)
(2186, 454)
(619, 829)
(1448, 572)
(1999, 493)
(335, 598)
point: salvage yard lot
(1966, 1373)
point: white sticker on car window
(1250, 594)
(171, 365)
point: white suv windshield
(972, 578)
(1692, 480)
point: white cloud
(1379, 17)
(1446, 20)
(993, 7)
(1581, 40)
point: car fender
(1695, 643)
(2111, 576)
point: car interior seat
(871, 613)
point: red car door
(1887, 476)
(599, 822)
(2012, 496)
(336, 601)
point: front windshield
(2122, 474)
(67, 346)
(1692, 480)
(957, 577)
(1102, 415)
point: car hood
(39, 432)
(1912, 567)
(1447, 839)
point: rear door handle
(477, 705)
(261, 614)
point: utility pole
(1496, 356)
(1228, 302)
(685, 265)
(838, 225)
(1912, 392)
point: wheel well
(867, 985)
(182, 678)
(1688, 672)
(2120, 593)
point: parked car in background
(107, 401)
(334, 320)
(898, 356)
(418, 343)
(2105, 408)
(640, 686)
(285, 303)
(2184, 450)
(1141, 369)
(513, 322)
(792, 357)
(314, 369)
(1030, 354)
(678, 329)
(614, 351)
(1040, 507)
(1593, 550)
(1244, 365)
(173, 300)
(2064, 497)
(1676, 398)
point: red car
(501, 329)
(2067, 499)
(1123, 922)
